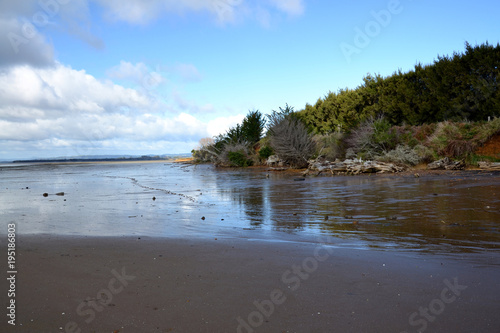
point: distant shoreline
(110, 160)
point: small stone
(203, 217)
(154, 198)
(45, 194)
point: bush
(331, 146)
(205, 152)
(265, 152)
(487, 130)
(372, 138)
(238, 159)
(425, 153)
(458, 148)
(290, 138)
(252, 127)
(235, 155)
(402, 154)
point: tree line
(461, 86)
(406, 118)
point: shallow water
(455, 212)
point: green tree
(253, 127)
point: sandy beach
(89, 284)
(236, 251)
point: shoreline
(179, 285)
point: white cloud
(143, 12)
(20, 44)
(61, 91)
(76, 20)
(224, 11)
(139, 73)
(220, 125)
(291, 7)
(60, 111)
(26, 23)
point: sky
(141, 77)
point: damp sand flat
(181, 285)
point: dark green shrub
(252, 127)
(265, 152)
(238, 159)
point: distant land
(103, 158)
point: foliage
(373, 137)
(402, 154)
(425, 153)
(205, 151)
(252, 127)
(221, 149)
(235, 155)
(289, 137)
(265, 152)
(238, 158)
(330, 146)
(458, 87)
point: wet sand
(65, 284)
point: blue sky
(90, 77)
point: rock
(60, 194)
(273, 160)
(203, 217)
(154, 198)
(45, 194)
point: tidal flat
(246, 250)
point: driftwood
(446, 164)
(489, 166)
(352, 167)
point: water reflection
(453, 212)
